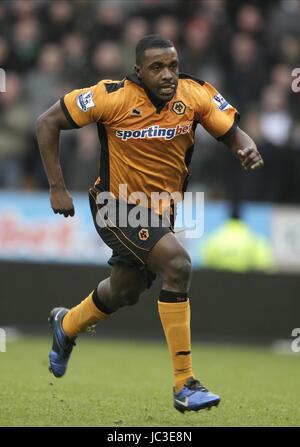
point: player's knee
(178, 273)
(126, 297)
(130, 299)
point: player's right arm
(76, 109)
(48, 128)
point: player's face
(159, 71)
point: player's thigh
(127, 280)
(169, 256)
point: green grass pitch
(126, 384)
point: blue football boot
(194, 397)
(62, 345)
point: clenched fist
(61, 201)
(250, 158)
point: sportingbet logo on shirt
(85, 101)
(221, 102)
(154, 132)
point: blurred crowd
(247, 49)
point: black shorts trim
(123, 241)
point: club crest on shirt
(85, 101)
(143, 234)
(221, 102)
(179, 107)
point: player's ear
(137, 70)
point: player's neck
(156, 101)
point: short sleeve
(215, 114)
(86, 105)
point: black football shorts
(130, 245)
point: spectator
(167, 26)
(76, 59)
(250, 20)
(106, 62)
(247, 49)
(244, 76)
(197, 51)
(26, 43)
(44, 83)
(60, 18)
(135, 28)
(236, 247)
(275, 120)
(14, 131)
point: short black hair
(151, 41)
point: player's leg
(170, 260)
(122, 288)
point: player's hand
(61, 202)
(250, 158)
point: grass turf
(126, 384)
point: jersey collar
(158, 103)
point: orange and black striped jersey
(146, 143)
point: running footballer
(146, 124)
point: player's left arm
(220, 119)
(244, 148)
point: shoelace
(194, 384)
